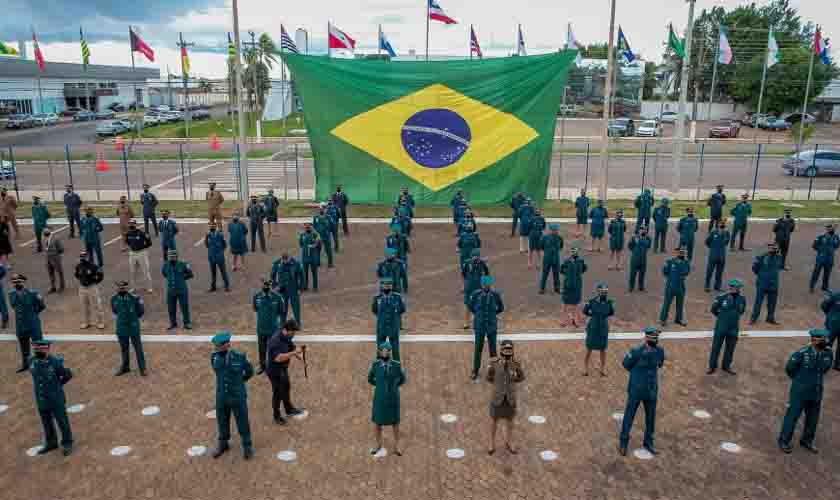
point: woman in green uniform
(572, 270)
(386, 375)
(599, 309)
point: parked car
(84, 116)
(776, 124)
(648, 128)
(621, 127)
(106, 114)
(203, 114)
(161, 108)
(746, 118)
(794, 118)
(127, 125)
(827, 162)
(150, 120)
(668, 117)
(109, 127)
(725, 129)
(116, 107)
(46, 119)
(71, 111)
(759, 120)
(6, 170)
(21, 121)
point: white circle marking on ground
(302, 416)
(150, 411)
(548, 455)
(382, 453)
(211, 414)
(120, 451)
(448, 418)
(33, 452)
(702, 414)
(730, 447)
(536, 419)
(287, 456)
(643, 454)
(618, 416)
(4, 408)
(77, 408)
(196, 451)
(455, 453)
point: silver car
(826, 161)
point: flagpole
(283, 81)
(427, 29)
(679, 135)
(379, 42)
(764, 73)
(85, 81)
(138, 133)
(471, 38)
(805, 101)
(187, 110)
(714, 79)
(605, 153)
(329, 48)
(243, 143)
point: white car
(46, 119)
(150, 120)
(109, 127)
(648, 128)
(668, 117)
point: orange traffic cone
(101, 163)
(214, 143)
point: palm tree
(206, 87)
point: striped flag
(821, 47)
(231, 48)
(185, 61)
(138, 45)
(520, 43)
(772, 50)
(384, 44)
(339, 39)
(286, 42)
(725, 50)
(436, 13)
(39, 56)
(475, 48)
(85, 49)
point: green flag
(674, 43)
(484, 126)
(6, 50)
(85, 50)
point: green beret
(651, 331)
(736, 283)
(386, 281)
(554, 227)
(42, 343)
(818, 332)
(487, 280)
(385, 345)
(221, 338)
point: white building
(828, 102)
(64, 85)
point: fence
(182, 170)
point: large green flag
(484, 126)
(674, 43)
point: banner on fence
(484, 126)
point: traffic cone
(101, 163)
(214, 143)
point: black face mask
(145, 190)
(40, 354)
(212, 229)
(735, 293)
(309, 230)
(166, 217)
(122, 292)
(831, 231)
(266, 289)
(386, 291)
(773, 252)
(652, 343)
(236, 219)
(19, 287)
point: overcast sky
(206, 23)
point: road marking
(113, 240)
(460, 338)
(199, 242)
(33, 240)
(179, 177)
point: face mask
(145, 190)
(165, 217)
(266, 289)
(19, 287)
(236, 219)
(652, 343)
(40, 355)
(132, 228)
(385, 355)
(69, 190)
(507, 354)
(821, 344)
(831, 231)
(122, 292)
(212, 229)
(309, 230)
(386, 291)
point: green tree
(259, 61)
(649, 81)
(595, 51)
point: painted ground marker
(455, 453)
(642, 454)
(198, 243)
(618, 416)
(151, 411)
(211, 414)
(113, 240)
(287, 456)
(77, 408)
(548, 455)
(4, 409)
(730, 447)
(121, 451)
(448, 418)
(33, 452)
(196, 451)
(703, 414)
(536, 419)
(382, 453)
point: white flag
(572, 43)
(772, 50)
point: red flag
(138, 45)
(340, 40)
(39, 56)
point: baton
(305, 365)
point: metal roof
(26, 68)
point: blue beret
(385, 345)
(221, 338)
(601, 285)
(651, 331)
(818, 332)
(487, 280)
(736, 283)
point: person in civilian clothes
(90, 276)
(73, 207)
(238, 233)
(504, 373)
(643, 363)
(125, 214)
(386, 375)
(150, 203)
(271, 204)
(8, 208)
(215, 200)
(138, 255)
(89, 231)
(55, 261)
(784, 228)
(825, 245)
(582, 212)
(281, 351)
(168, 231)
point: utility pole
(169, 85)
(243, 145)
(255, 105)
(187, 111)
(679, 134)
(605, 152)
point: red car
(725, 129)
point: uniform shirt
(766, 268)
(176, 273)
(149, 202)
(831, 307)
(215, 243)
(322, 224)
(572, 270)
(807, 368)
(783, 228)
(485, 305)
(741, 212)
(728, 308)
(826, 245)
(127, 309)
(388, 309)
(270, 205)
(399, 243)
(687, 226)
(551, 245)
(395, 269)
(472, 271)
(715, 204)
(599, 216)
(582, 206)
(660, 217)
(468, 242)
(516, 202)
(675, 272)
(310, 248)
(48, 378)
(72, 202)
(287, 275)
(137, 240)
(268, 307)
(88, 273)
(616, 230)
(255, 214)
(40, 216)
(643, 363)
(232, 371)
(168, 229)
(278, 344)
(639, 246)
(28, 305)
(341, 200)
(644, 203)
(537, 226)
(717, 242)
(89, 229)
(526, 213)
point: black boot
(220, 449)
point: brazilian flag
(485, 126)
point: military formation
(279, 298)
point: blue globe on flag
(436, 138)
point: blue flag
(385, 45)
(624, 47)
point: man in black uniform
(783, 228)
(715, 204)
(281, 350)
(341, 202)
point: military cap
(18, 278)
(689, 209)
(487, 280)
(390, 252)
(133, 221)
(47, 230)
(212, 183)
(146, 186)
(620, 211)
(506, 344)
(266, 281)
(211, 224)
(829, 225)
(172, 253)
(475, 252)
(165, 211)
(386, 281)
(83, 254)
(385, 346)
(745, 195)
(253, 197)
(735, 282)
(602, 285)
(68, 186)
(719, 186)
(554, 227)
(36, 197)
(90, 209)
(270, 191)
(221, 338)
(788, 210)
(41, 344)
(651, 331)
(818, 332)
(121, 284)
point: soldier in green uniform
(467, 242)
(177, 273)
(238, 232)
(334, 216)
(287, 278)
(661, 214)
(233, 370)
(638, 246)
(581, 212)
(48, 378)
(28, 305)
(399, 242)
(216, 245)
(675, 271)
(831, 307)
(534, 238)
(256, 217)
(270, 309)
(271, 204)
(728, 309)
(806, 368)
(643, 363)
(716, 242)
(128, 309)
(825, 245)
(472, 271)
(310, 255)
(386, 375)
(741, 212)
(40, 216)
(783, 229)
(766, 269)
(572, 270)
(715, 204)
(644, 206)
(552, 245)
(599, 309)
(687, 227)
(617, 229)
(322, 224)
(526, 213)
(388, 307)
(485, 305)
(515, 203)
(598, 215)
(394, 269)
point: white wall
(719, 110)
(279, 102)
